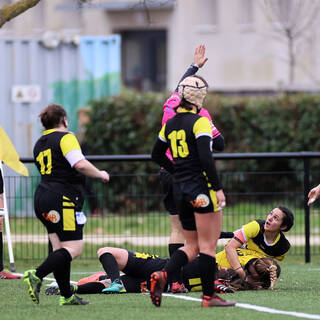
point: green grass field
(296, 291)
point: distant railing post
(306, 164)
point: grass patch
(296, 290)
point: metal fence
(132, 213)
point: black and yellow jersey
(251, 235)
(182, 134)
(56, 173)
(255, 240)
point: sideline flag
(9, 155)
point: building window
(245, 17)
(207, 15)
(144, 60)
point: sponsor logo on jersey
(52, 216)
(202, 201)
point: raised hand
(199, 56)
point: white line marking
(238, 304)
(254, 307)
(48, 279)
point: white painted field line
(48, 279)
(254, 307)
(238, 304)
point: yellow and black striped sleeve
(68, 143)
(202, 128)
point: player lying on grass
(137, 268)
(258, 239)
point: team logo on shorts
(201, 201)
(52, 216)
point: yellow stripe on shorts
(213, 196)
(69, 221)
(68, 204)
(194, 281)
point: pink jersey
(168, 113)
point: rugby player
(58, 201)
(177, 239)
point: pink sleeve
(168, 107)
(239, 234)
(168, 113)
(215, 132)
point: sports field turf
(297, 291)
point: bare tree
(291, 22)
(11, 11)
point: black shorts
(166, 180)
(192, 196)
(142, 265)
(58, 214)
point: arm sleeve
(205, 113)
(218, 143)
(159, 155)
(69, 142)
(207, 163)
(226, 235)
(192, 69)
(71, 149)
(250, 230)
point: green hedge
(129, 124)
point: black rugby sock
(53, 261)
(207, 266)
(110, 266)
(62, 273)
(90, 287)
(174, 265)
(173, 247)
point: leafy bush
(129, 124)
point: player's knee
(101, 251)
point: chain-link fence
(130, 213)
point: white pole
(4, 212)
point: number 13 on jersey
(178, 144)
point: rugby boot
(115, 287)
(177, 287)
(33, 283)
(72, 301)
(216, 301)
(220, 287)
(54, 290)
(8, 275)
(158, 282)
